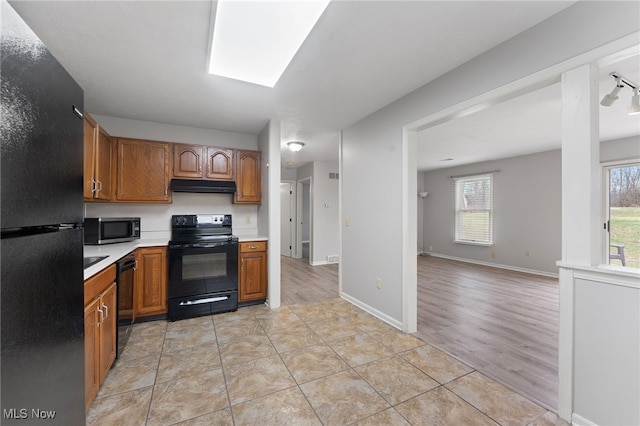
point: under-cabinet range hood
(203, 186)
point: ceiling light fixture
(634, 109)
(621, 82)
(254, 41)
(610, 98)
(295, 146)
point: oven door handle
(201, 301)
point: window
(473, 222)
(622, 214)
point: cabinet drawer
(253, 246)
(98, 283)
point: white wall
(620, 149)
(122, 127)
(527, 213)
(372, 162)
(156, 218)
(269, 211)
(607, 350)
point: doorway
(304, 223)
(287, 218)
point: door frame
(294, 214)
(299, 207)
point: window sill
(472, 243)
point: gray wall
(527, 208)
(372, 155)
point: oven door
(202, 280)
(203, 270)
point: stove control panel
(201, 221)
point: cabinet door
(90, 135)
(143, 171)
(219, 163)
(248, 177)
(187, 161)
(91, 352)
(253, 276)
(104, 165)
(151, 281)
(108, 326)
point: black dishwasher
(125, 276)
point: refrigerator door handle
(77, 112)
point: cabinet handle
(253, 247)
(101, 316)
(94, 186)
(165, 192)
(135, 265)
(99, 186)
(241, 263)
(106, 309)
(200, 169)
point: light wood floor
(502, 323)
(302, 283)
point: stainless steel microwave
(107, 230)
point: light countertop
(116, 251)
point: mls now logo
(23, 413)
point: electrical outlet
(378, 283)
(493, 255)
(527, 252)
(430, 248)
(248, 220)
(347, 221)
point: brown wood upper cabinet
(248, 177)
(203, 162)
(98, 162)
(143, 172)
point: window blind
(473, 213)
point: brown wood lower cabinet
(100, 322)
(252, 286)
(151, 281)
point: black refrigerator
(41, 215)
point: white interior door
(286, 219)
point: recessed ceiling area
(524, 125)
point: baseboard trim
(495, 265)
(577, 420)
(318, 263)
(373, 311)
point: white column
(581, 233)
(581, 236)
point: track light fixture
(622, 81)
(634, 109)
(610, 98)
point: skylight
(254, 41)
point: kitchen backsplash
(156, 218)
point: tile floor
(321, 363)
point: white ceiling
(146, 60)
